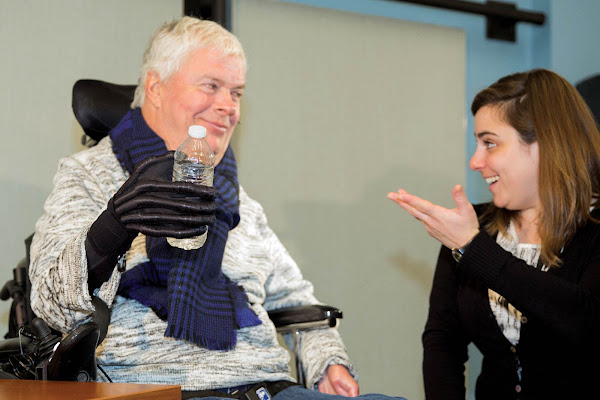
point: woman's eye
(489, 145)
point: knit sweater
(558, 349)
(135, 349)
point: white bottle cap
(197, 131)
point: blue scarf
(187, 288)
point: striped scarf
(187, 288)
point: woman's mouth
(491, 179)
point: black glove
(149, 203)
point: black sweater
(559, 345)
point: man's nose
(225, 102)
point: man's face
(205, 91)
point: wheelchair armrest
(290, 319)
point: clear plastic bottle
(194, 162)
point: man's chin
(218, 158)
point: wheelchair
(32, 350)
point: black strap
(193, 394)
(255, 392)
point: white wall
(341, 108)
(46, 46)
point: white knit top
(508, 317)
(135, 349)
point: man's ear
(152, 86)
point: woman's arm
(569, 308)
(444, 341)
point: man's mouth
(491, 179)
(218, 126)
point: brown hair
(544, 108)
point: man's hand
(150, 203)
(337, 380)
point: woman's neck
(527, 227)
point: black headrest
(589, 89)
(99, 106)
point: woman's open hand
(453, 228)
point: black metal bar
(214, 10)
(490, 9)
(501, 17)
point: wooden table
(21, 389)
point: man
(193, 318)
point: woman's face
(509, 166)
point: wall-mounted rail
(501, 17)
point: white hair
(174, 41)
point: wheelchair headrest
(589, 89)
(99, 106)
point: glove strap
(106, 241)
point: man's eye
(237, 94)
(211, 86)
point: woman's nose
(476, 162)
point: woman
(519, 277)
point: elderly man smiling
(193, 318)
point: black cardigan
(559, 346)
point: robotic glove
(151, 204)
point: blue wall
(574, 33)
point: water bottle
(194, 162)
